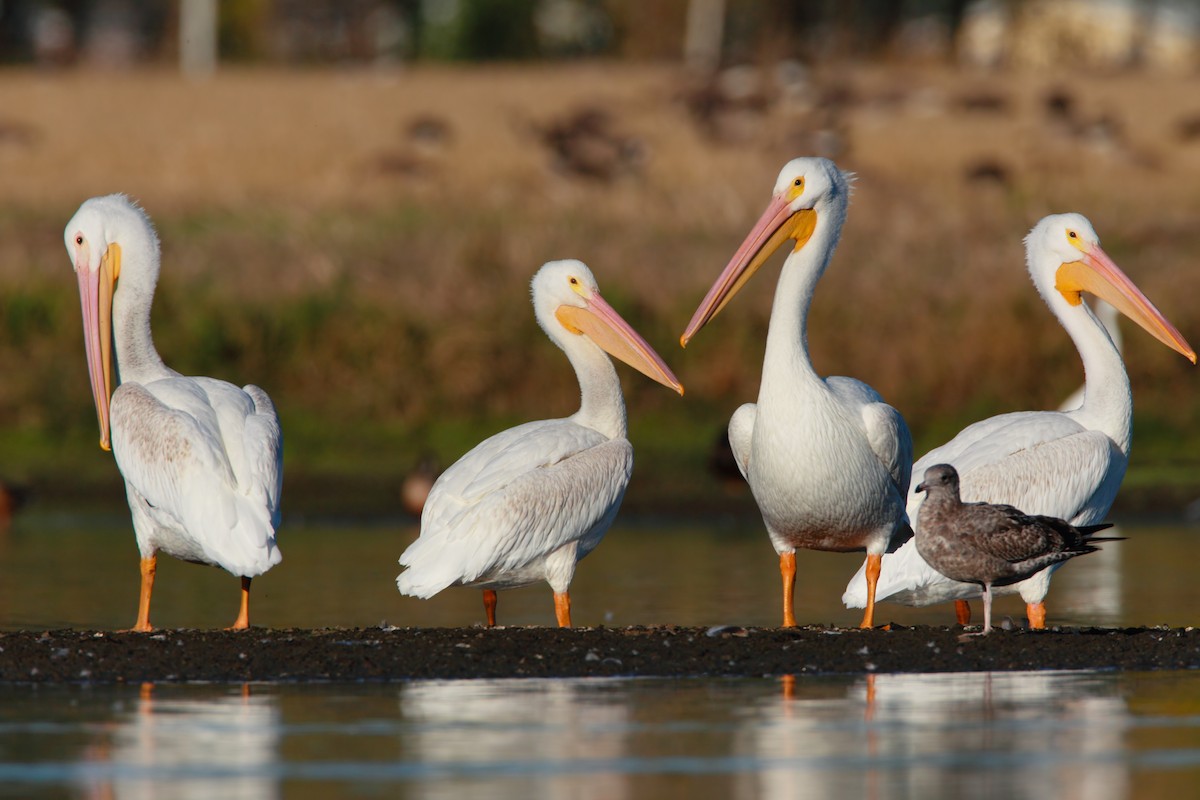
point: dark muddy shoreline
(353, 655)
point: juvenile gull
(989, 544)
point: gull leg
(489, 606)
(962, 612)
(874, 562)
(1036, 612)
(987, 608)
(787, 571)
(243, 619)
(562, 608)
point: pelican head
(1067, 245)
(567, 300)
(807, 189)
(95, 238)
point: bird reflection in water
(201, 746)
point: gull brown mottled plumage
(990, 544)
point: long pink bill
(777, 224)
(95, 297)
(604, 326)
(1097, 274)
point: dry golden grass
(310, 242)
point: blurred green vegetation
(383, 358)
(375, 282)
(372, 370)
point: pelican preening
(827, 460)
(991, 544)
(1053, 463)
(528, 503)
(202, 459)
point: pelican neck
(602, 406)
(1107, 399)
(787, 334)
(137, 359)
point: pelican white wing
(741, 433)
(1045, 462)
(206, 458)
(512, 501)
(886, 431)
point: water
(60, 571)
(1004, 735)
(1014, 735)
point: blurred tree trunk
(198, 38)
(704, 34)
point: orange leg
(489, 606)
(562, 609)
(148, 567)
(787, 571)
(874, 563)
(243, 620)
(962, 612)
(1036, 612)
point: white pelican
(1053, 463)
(528, 503)
(826, 458)
(202, 459)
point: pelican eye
(797, 188)
(574, 281)
(1073, 234)
(79, 240)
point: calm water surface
(1016, 735)
(61, 571)
(1022, 735)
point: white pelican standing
(202, 459)
(528, 503)
(826, 458)
(1052, 463)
